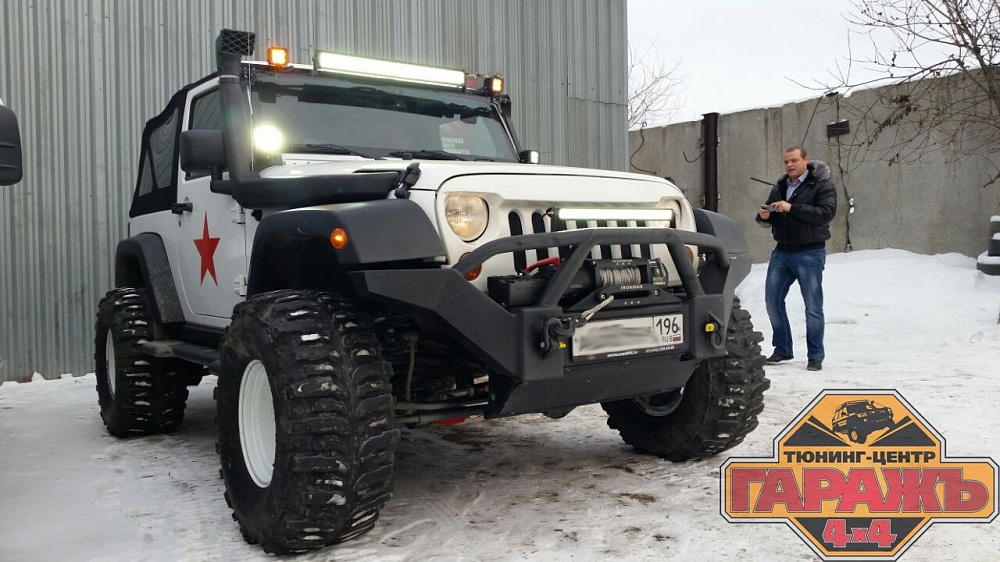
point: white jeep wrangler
(355, 245)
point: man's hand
(763, 212)
(781, 206)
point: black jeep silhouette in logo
(859, 418)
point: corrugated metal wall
(83, 76)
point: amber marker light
(496, 85)
(474, 274)
(338, 238)
(277, 56)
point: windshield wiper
(318, 148)
(426, 155)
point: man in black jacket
(798, 210)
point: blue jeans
(784, 269)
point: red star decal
(206, 248)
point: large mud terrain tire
(716, 410)
(138, 393)
(306, 430)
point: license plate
(629, 336)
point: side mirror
(528, 157)
(203, 150)
(10, 147)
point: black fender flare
(292, 249)
(714, 278)
(141, 261)
(723, 228)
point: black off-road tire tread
(335, 426)
(988, 268)
(720, 406)
(152, 393)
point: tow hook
(558, 331)
(556, 334)
(718, 336)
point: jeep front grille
(541, 223)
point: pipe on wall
(710, 170)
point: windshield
(863, 406)
(334, 115)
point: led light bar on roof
(615, 214)
(375, 68)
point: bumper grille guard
(583, 241)
(509, 341)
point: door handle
(180, 208)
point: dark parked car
(10, 147)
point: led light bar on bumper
(615, 214)
(374, 68)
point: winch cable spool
(613, 276)
(620, 276)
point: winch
(632, 281)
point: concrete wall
(907, 194)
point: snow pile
(526, 488)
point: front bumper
(513, 342)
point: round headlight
(467, 215)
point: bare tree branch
(943, 66)
(652, 88)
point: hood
(435, 172)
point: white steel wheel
(109, 362)
(306, 430)
(256, 422)
(138, 394)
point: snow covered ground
(526, 488)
